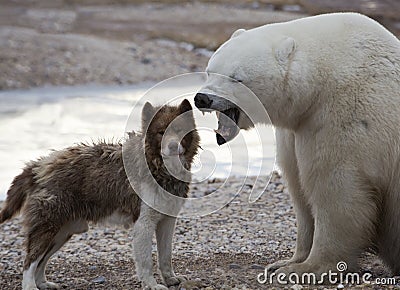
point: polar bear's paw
(283, 263)
(175, 280)
(278, 264)
(306, 272)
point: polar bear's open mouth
(227, 127)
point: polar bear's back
(341, 22)
(333, 27)
(346, 43)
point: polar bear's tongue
(227, 128)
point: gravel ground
(71, 42)
(223, 250)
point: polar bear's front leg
(305, 231)
(287, 161)
(345, 212)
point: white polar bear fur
(331, 86)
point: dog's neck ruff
(166, 180)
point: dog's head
(170, 132)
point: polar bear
(331, 86)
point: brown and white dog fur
(60, 194)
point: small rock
(190, 285)
(296, 287)
(279, 188)
(92, 268)
(257, 267)
(210, 190)
(99, 280)
(145, 60)
(340, 286)
(132, 49)
(234, 266)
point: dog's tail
(16, 195)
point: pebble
(99, 280)
(234, 266)
(145, 60)
(210, 190)
(257, 267)
(190, 285)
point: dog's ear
(148, 113)
(131, 134)
(185, 106)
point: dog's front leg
(143, 232)
(164, 233)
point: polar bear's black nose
(202, 101)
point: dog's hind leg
(28, 281)
(63, 235)
(39, 240)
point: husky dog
(61, 193)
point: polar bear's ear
(285, 49)
(238, 32)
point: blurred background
(71, 70)
(70, 42)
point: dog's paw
(157, 287)
(48, 285)
(175, 280)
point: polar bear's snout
(207, 102)
(202, 101)
(227, 114)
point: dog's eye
(161, 132)
(239, 81)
